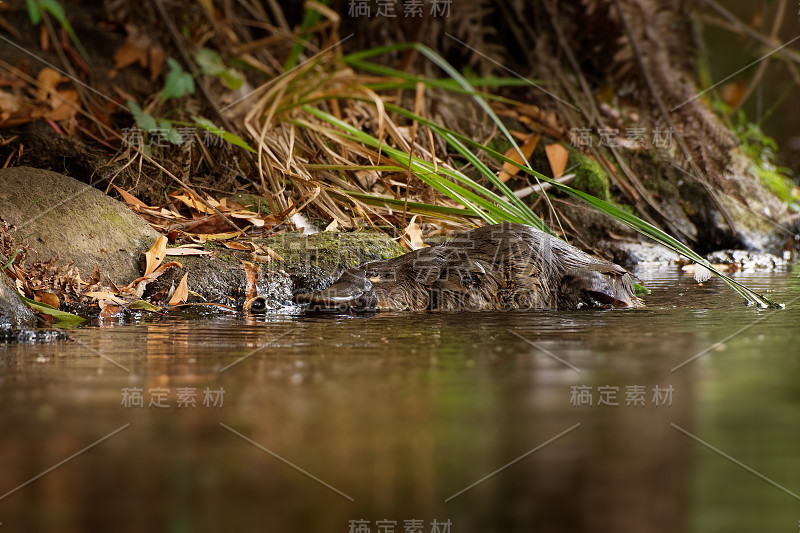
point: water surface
(392, 421)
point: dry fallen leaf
(188, 249)
(194, 202)
(105, 296)
(251, 217)
(109, 311)
(139, 48)
(181, 292)
(236, 245)
(62, 110)
(527, 149)
(273, 254)
(48, 79)
(557, 155)
(50, 299)
(205, 237)
(138, 285)
(15, 110)
(251, 271)
(155, 254)
(413, 234)
(131, 199)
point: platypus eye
(470, 280)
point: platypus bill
(504, 266)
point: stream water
(415, 422)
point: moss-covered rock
(310, 262)
(315, 261)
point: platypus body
(504, 266)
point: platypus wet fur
(503, 266)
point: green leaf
(231, 78)
(145, 121)
(226, 135)
(179, 83)
(169, 132)
(141, 305)
(310, 19)
(16, 253)
(211, 63)
(55, 9)
(65, 320)
(639, 289)
(34, 13)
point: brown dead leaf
(139, 48)
(262, 259)
(192, 201)
(138, 285)
(128, 54)
(251, 217)
(181, 292)
(205, 237)
(527, 149)
(105, 296)
(557, 156)
(65, 106)
(15, 111)
(48, 79)
(266, 250)
(50, 299)
(95, 278)
(413, 234)
(236, 245)
(188, 249)
(109, 310)
(157, 56)
(273, 254)
(251, 271)
(131, 199)
(155, 255)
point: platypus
(502, 266)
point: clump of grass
(334, 138)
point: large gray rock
(59, 216)
(13, 313)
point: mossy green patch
(589, 176)
(330, 250)
(777, 183)
(253, 202)
(762, 151)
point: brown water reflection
(400, 414)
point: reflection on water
(293, 423)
